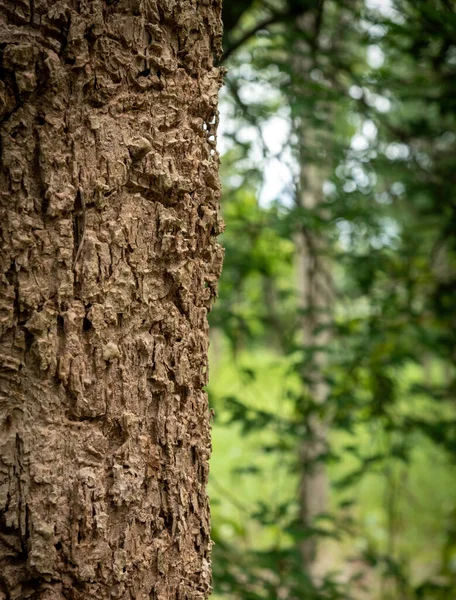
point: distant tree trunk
(108, 266)
(315, 294)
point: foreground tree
(377, 87)
(108, 266)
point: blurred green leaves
(382, 136)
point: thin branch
(275, 18)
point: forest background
(334, 335)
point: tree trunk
(108, 265)
(315, 299)
(315, 295)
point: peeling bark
(108, 266)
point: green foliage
(373, 112)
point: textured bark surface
(108, 265)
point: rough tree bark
(109, 212)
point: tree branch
(275, 18)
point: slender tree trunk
(108, 265)
(315, 296)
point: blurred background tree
(333, 340)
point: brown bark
(108, 265)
